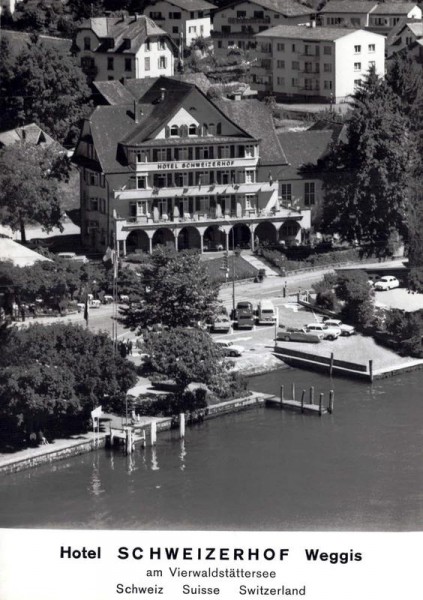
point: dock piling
(371, 370)
(282, 394)
(312, 395)
(182, 425)
(293, 390)
(321, 404)
(331, 364)
(302, 400)
(331, 401)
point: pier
(306, 404)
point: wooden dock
(306, 404)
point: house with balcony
(235, 24)
(174, 167)
(388, 14)
(315, 64)
(405, 37)
(344, 13)
(109, 48)
(184, 20)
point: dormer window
(192, 129)
(174, 131)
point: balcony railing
(201, 217)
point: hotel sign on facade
(196, 164)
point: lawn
(238, 267)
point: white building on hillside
(184, 20)
(319, 64)
(235, 24)
(120, 48)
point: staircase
(259, 263)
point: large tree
(365, 177)
(29, 185)
(174, 289)
(47, 87)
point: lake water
(264, 469)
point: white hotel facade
(174, 168)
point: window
(357, 66)
(162, 44)
(250, 176)
(355, 22)
(147, 46)
(308, 84)
(372, 47)
(280, 47)
(372, 64)
(110, 78)
(192, 29)
(309, 193)
(258, 14)
(94, 204)
(110, 64)
(192, 129)
(174, 131)
(156, 16)
(294, 82)
(128, 64)
(147, 64)
(286, 192)
(226, 29)
(211, 128)
(87, 43)
(280, 64)
(281, 80)
(175, 15)
(162, 62)
(241, 14)
(175, 29)
(357, 49)
(327, 50)
(219, 129)
(219, 44)
(295, 65)
(293, 47)
(141, 182)
(327, 85)
(327, 68)
(357, 82)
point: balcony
(249, 21)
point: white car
(387, 282)
(329, 333)
(345, 329)
(229, 348)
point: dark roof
(114, 92)
(302, 149)
(192, 5)
(297, 32)
(32, 134)
(288, 8)
(256, 118)
(346, 6)
(19, 40)
(136, 29)
(394, 8)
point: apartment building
(184, 20)
(386, 15)
(320, 64)
(344, 13)
(120, 48)
(234, 25)
(173, 167)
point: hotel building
(173, 167)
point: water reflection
(96, 488)
(182, 454)
(154, 460)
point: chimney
(137, 112)
(162, 94)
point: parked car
(329, 333)
(266, 313)
(345, 329)
(293, 334)
(229, 348)
(244, 315)
(221, 324)
(387, 282)
(95, 304)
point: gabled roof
(303, 149)
(256, 118)
(287, 8)
(32, 133)
(416, 27)
(113, 92)
(136, 29)
(346, 6)
(192, 5)
(394, 8)
(297, 32)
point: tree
(29, 190)
(174, 289)
(354, 289)
(365, 177)
(187, 356)
(50, 89)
